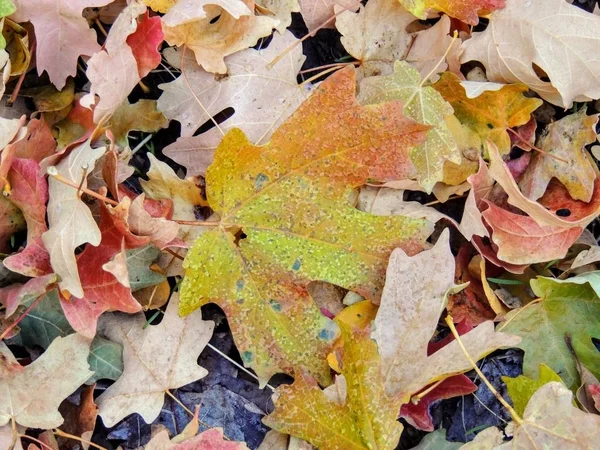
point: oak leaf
(565, 139)
(219, 34)
(549, 33)
(62, 34)
(564, 308)
(71, 222)
(263, 98)
(60, 370)
(157, 358)
(425, 105)
(276, 195)
(362, 417)
(491, 113)
(411, 305)
(467, 11)
(550, 421)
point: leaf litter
(299, 224)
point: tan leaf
(471, 222)
(189, 11)
(31, 395)
(156, 359)
(376, 35)
(160, 230)
(219, 34)
(70, 219)
(412, 301)
(263, 98)
(282, 10)
(318, 12)
(559, 38)
(565, 139)
(550, 421)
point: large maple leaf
(62, 34)
(290, 199)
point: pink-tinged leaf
(524, 136)
(518, 166)
(156, 208)
(62, 34)
(30, 193)
(481, 184)
(521, 240)
(145, 43)
(211, 439)
(101, 289)
(417, 414)
(490, 253)
(594, 391)
(12, 296)
(37, 143)
(33, 261)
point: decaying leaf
(263, 98)
(71, 222)
(219, 34)
(425, 105)
(562, 313)
(565, 139)
(492, 112)
(363, 417)
(57, 373)
(62, 34)
(412, 301)
(156, 358)
(466, 11)
(311, 232)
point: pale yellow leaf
(31, 395)
(70, 219)
(187, 11)
(321, 12)
(156, 359)
(282, 10)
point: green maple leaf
(286, 220)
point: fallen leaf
(365, 417)
(113, 72)
(521, 240)
(491, 113)
(160, 5)
(211, 439)
(263, 98)
(62, 34)
(102, 289)
(185, 12)
(139, 116)
(282, 10)
(59, 372)
(437, 441)
(565, 139)
(411, 305)
(522, 388)
(282, 252)
(425, 105)
(564, 309)
(318, 13)
(157, 358)
(80, 419)
(376, 35)
(417, 413)
(159, 230)
(145, 43)
(556, 197)
(548, 34)
(11, 222)
(471, 223)
(219, 34)
(141, 274)
(550, 421)
(466, 11)
(71, 222)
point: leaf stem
(37, 441)
(198, 223)
(77, 438)
(22, 316)
(533, 147)
(504, 403)
(58, 177)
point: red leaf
(145, 42)
(101, 290)
(33, 261)
(418, 414)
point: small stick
(37, 441)
(198, 223)
(77, 438)
(175, 254)
(537, 149)
(58, 177)
(504, 403)
(22, 316)
(15, 93)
